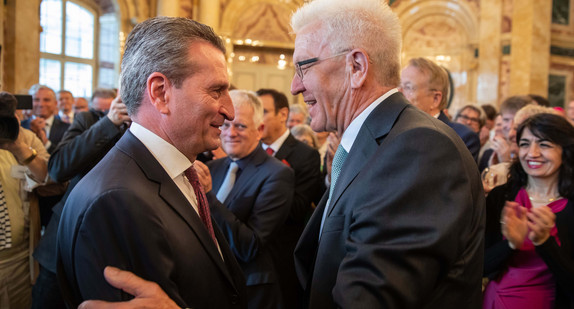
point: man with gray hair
(425, 85)
(402, 225)
(297, 115)
(142, 208)
(45, 122)
(250, 195)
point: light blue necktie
(228, 182)
(338, 160)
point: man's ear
(260, 131)
(284, 114)
(359, 61)
(437, 98)
(159, 91)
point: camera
(9, 124)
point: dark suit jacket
(406, 221)
(87, 141)
(251, 216)
(127, 212)
(306, 162)
(56, 131)
(470, 139)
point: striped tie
(5, 228)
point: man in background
(249, 198)
(305, 161)
(92, 134)
(425, 85)
(45, 123)
(297, 115)
(65, 106)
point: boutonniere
(285, 162)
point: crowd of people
(175, 191)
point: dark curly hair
(559, 131)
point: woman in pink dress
(529, 256)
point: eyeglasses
(309, 62)
(409, 88)
(475, 120)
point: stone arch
(258, 15)
(447, 32)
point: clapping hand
(514, 223)
(540, 222)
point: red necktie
(202, 205)
(269, 151)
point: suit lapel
(251, 169)
(306, 249)
(286, 148)
(375, 127)
(171, 194)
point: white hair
(248, 98)
(349, 24)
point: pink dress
(526, 282)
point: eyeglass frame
(471, 119)
(315, 60)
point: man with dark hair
(305, 161)
(142, 208)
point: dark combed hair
(279, 99)
(8, 104)
(559, 131)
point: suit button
(234, 299)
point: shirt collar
(171, 159)
(278, 142)
(352, 130)
(49, 121)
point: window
(71, 58)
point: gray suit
(405, 225)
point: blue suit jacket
(56, 131)
(405, 227)
(127, 212)
(251, 216)
(470, 139)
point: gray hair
(298, 109)
(37, 87)
(477, 109)
(304, 129)
(248, 98)
(437, 77)
(161, 44)
(366, 24)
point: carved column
(530, 47)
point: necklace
(544, 200)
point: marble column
(168, 8)
(530, 47)
(21, 45)
(209, 13)
(489, 51)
